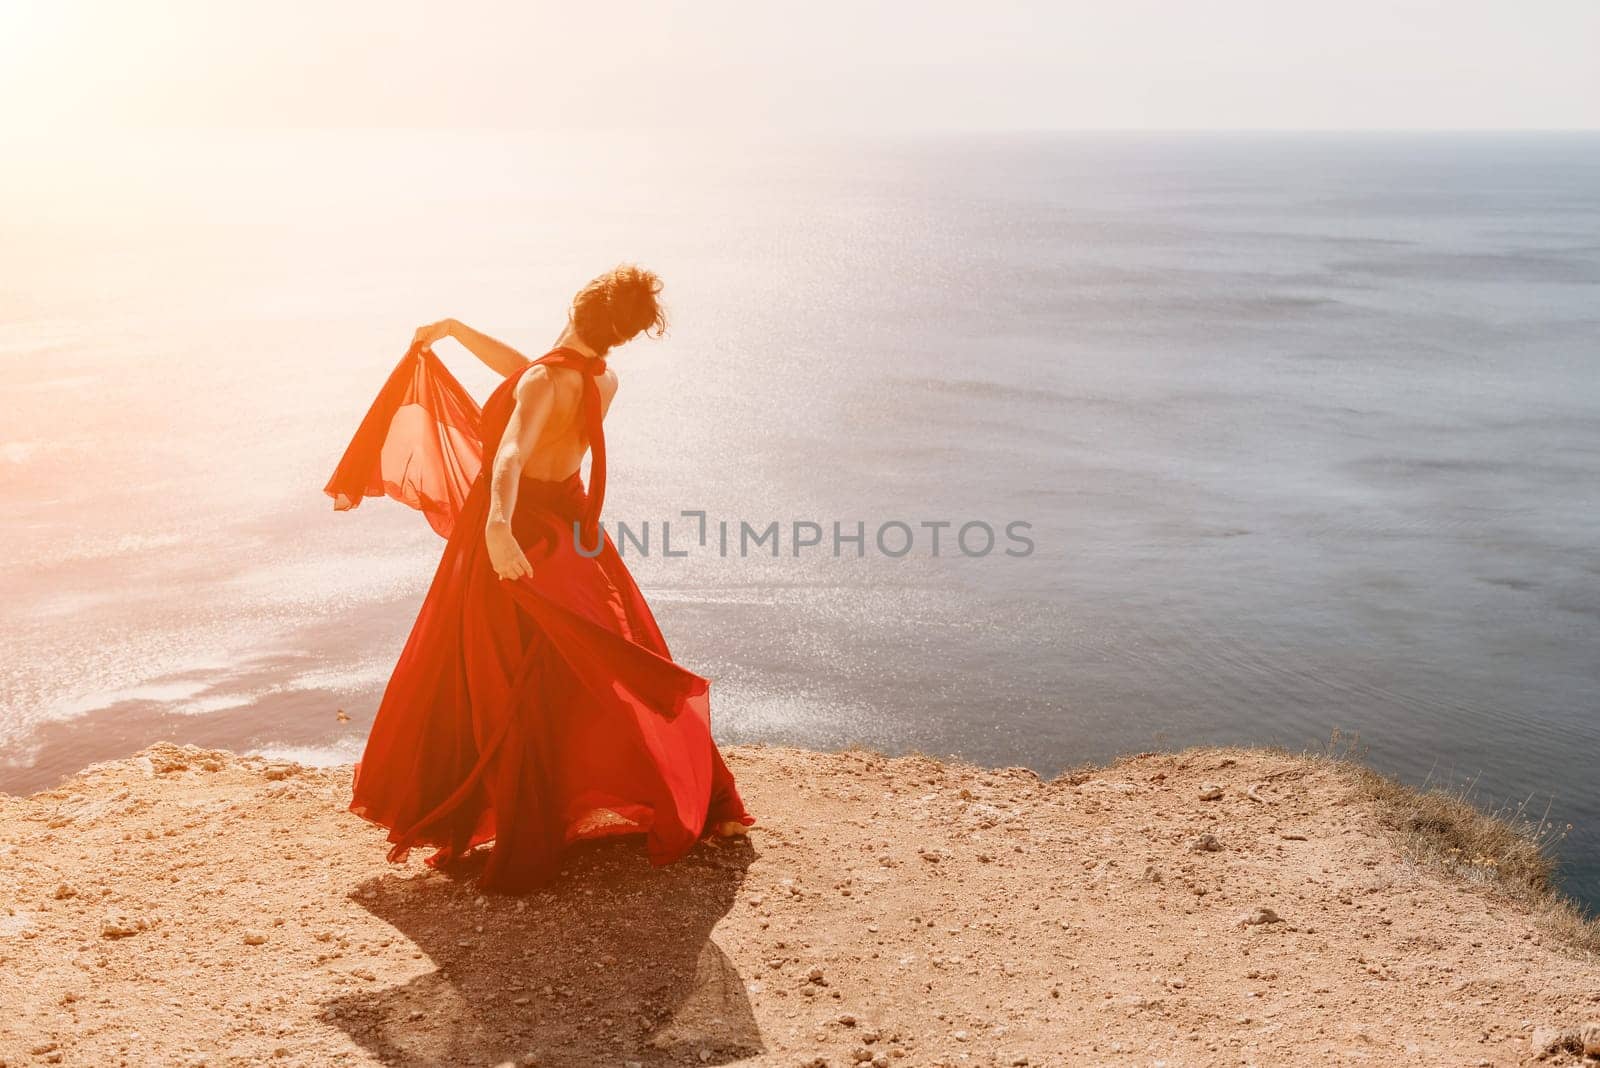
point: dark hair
(617, 306)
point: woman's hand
(427, 335)
(505, 555)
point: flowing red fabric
(420, 444)
(534, 712)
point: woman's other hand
(505, 555)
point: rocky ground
(1209, 907)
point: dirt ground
(193, 907)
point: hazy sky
(909, 65)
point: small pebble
(120, 925)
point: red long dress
(533, 712)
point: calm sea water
(1307, 430)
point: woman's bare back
(558, 451)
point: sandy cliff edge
(192, 906)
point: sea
(1032, 449)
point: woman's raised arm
(500, 357)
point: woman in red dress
(535, 702)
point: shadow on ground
(614, 963)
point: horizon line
(753, 130)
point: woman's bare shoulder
(564, 379)
(535, 379)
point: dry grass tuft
(1506, 848)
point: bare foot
(732, 829)
(443, 859)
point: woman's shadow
(614, 963)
